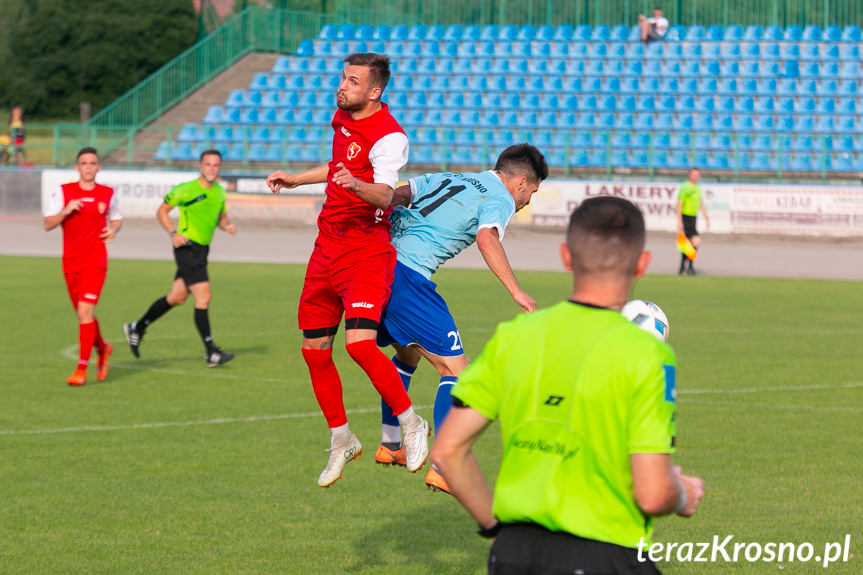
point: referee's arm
(453, 457)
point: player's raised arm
(279, 179)
(488, 242)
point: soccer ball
(648, 316)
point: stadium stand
(727, 98)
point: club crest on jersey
(101, 206)
(353, 150)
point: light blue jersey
(446, 213)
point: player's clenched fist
(279, 179)
(344, 178)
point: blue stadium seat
(581, 33)
(510, 32)
(620, 33)
(600, 33)
(669, 86)
(751, 51)
(829, 52)
(770, 51)
(545, 33)
(753, 33)
(849, 52)
(825, 125)
(811, 34)
(851, 34)
(711, 67)
(847, 106)
(714, 33)
(849, 70)
(692, 51)
(417, 32)
(803, 124)
(729, 51)
(435, 33)
(790, 51)
(733, 33)
(675, 33)
(672, 51)
(563, 33)
(792, 34)
(616, 50)
(810, 52)
(765, 105)
(713, 50)
(773, 34)
(694, 34)
(831, 34)
(489, 33)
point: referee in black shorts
(202, 209)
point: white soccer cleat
(416, 442)
(342, 449)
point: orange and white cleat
(102, 374)
(436, 482)
(387, 456)
(78, 378)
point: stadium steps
(194, 107)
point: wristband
(681, 505)
(172, 232)
(491, 532)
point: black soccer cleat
(133, 338)
(217, 357)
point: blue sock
(443, 400)
(405, 372)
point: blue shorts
(417, 314)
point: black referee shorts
(529, 549)
(689, 226)
(192, 263)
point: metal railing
(569, 156)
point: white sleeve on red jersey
(388, 156)
(114, 209)
(54, 205)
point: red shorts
(349, 279)
(85, 285)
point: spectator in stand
(653, 29)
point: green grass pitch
(171, 467)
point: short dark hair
(87, 150)
(606, 235)
(522, 158)
(378, 65)
(210, 152)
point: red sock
(384, 375)
(98, 341)
(327, 385)
(86, 337)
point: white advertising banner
(733, 208)
(556, 199)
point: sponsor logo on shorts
(353, 150)
(91, 296)
(364, 304)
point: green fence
(611, 12)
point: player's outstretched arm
(488, 242)
(279, 179)
(51, 222)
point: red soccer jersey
(82, 246)
(344, 216)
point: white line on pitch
(786, 389)
(764, 404)
(160, 424)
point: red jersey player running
(351, 266)
(90, 218)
